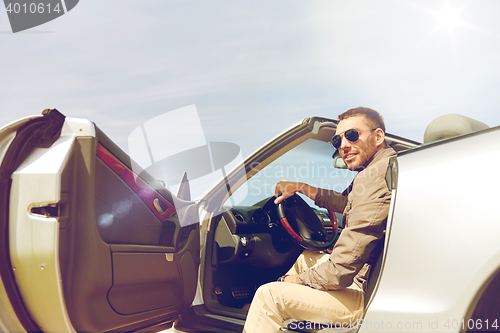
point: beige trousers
(276, 302)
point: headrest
(451, 125)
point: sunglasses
(352, 135)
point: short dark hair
(371, 115)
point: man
(330, 288)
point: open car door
(88, 244)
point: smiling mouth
(349, 157)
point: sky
(254, 68)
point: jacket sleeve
(366, 214)
(331, 200)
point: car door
(90, 245)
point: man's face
(356, 154)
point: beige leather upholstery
(451, 125)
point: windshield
(311, 162)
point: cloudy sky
(254, 68)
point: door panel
(150, 279)
(122, 217)
(122, 263)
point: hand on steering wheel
(304, 226)
(285, 189)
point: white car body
(442, 249)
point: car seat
(451, 125)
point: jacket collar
(382, 153)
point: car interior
(251, 247)
(247, 245)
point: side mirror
(184, 190)
(338, 161)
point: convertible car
(91, 242)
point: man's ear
(380, 137)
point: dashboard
(254, 235)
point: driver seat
(372, 282)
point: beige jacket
(365, 206)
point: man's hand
(285, 189)
(291, 278)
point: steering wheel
(304, 226)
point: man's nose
(344, 143)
